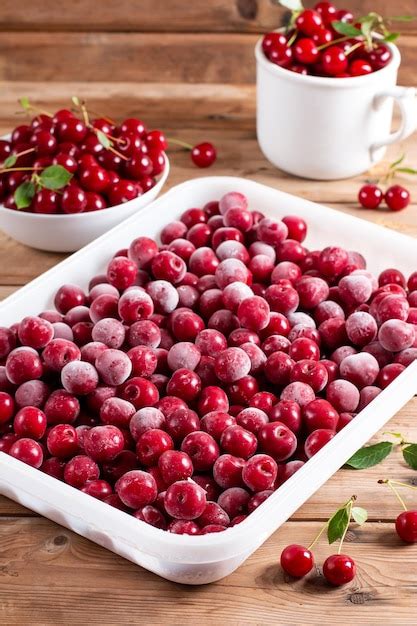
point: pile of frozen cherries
(196, 376)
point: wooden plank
(380, 504)
(133, 57)
(154, 15)
(51, 576)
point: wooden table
(49, 575)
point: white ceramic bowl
(67, 233)
(328, 128)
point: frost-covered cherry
(272, 232)
(164, 296)
(35, 332)
(252, 419)
(59, 352)
(134, 305)
(361, 328)
(7, 341)
(79, 470)
(231, 365)
(282, 299)
(256, 355)
(343, 396)
(395, 335)
(311, 291)
(136, 489)
(144, 333)
(234, 293)
(230, 271)
(23, 364)
(210, 342)
(253, 313)
(360, 369)
(298, 392)
(183, 355)
(32, 393)
(113, 366)
(109, 331)
(355, 289)
(278, 368)
(79, 378)
(61, 407)
(390, 306)
(117, 412)
(145, 419)
(232, 250)
(142, 250)
(367, 394)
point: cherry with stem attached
(406, 522)
(202, 154)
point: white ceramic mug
(329, 128)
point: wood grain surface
(49, 575)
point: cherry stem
(37, 110)
(334, 42)
(353, 48)
(317, 537)
(119, 154)
(292, 39)
(180, 143)
(17, 169)
(395, 491)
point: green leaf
(10, 161)
(292, 5)
(406, 170)
(337, 525)
(370, 455)
(103, 139)
(359, 514)
(401, 18)
(344, 28)
(410, 455)
(24, 194)
(24, 103)
(391, 37)
(75, 101)
(54, 177)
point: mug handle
(405, 98)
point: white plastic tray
(203, 559)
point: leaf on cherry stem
(370, 455)
(337, 524)
(10, 161)
(24, 194)
(54, 177)
(103, 139)
(346, 29)
(25, 104)
(359, 514)
(410, 455)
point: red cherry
(406, 526)
(397, 198)
(296, 560)
(370, 196)
(334, 61)
(203, 154)
(339, 569)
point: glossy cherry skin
(370, 196)
(203, 154)
(397, 198)
(406, 526)
(296, 560)
(339, 569)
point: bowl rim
(327, 81)
(83, 216)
